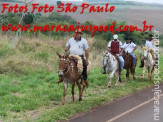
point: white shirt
(150, 44)
(109, 44)
(77, 47)
(129, 47)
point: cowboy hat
(78, 31)
(115, 36)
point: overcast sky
(149, 1)
(146, 1)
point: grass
(28, 89)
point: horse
(129, 65)
(68, 70)
(148, 63)
(112, 67)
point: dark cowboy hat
(150, 35)
(128, 38)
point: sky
(149, 1)
(145, 1)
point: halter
(71, 65)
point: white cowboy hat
(78, 31)
(115, 36)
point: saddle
(116, 58)
(79, 63)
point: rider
(149, 43)
(130, 47)
(78, 46)
(115, 48)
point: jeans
(133, 58)
(84, 73)
(121, 61)
(156, 62)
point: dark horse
(129, 66)
(69, 72)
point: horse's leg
(134, 74)
(64, 93)
(80, 93)
(132, 70)
(152, 71)
(73, 86)
(149, 74)
(127, 74)
(110, 77)
(117, 80)
(82, 90)
(143, 73)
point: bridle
(147, 55)
(65, 71)
(108, 57)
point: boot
(83, 83)
(104, 70)
(142, 64)
(86, 83)
(120, 71)
(60, 80)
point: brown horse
(129, 65)
(69, 72)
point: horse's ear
(142, 47)
(67, 55)
(58, 55)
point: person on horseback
(130, 47)
(150, 44)
(78, 46)
(114, 47)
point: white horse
(112, 67)
(148, 63)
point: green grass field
(28, 88)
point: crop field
(131, 15)
(28, 88)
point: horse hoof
(109, 86)
(149, 80)
(134, 78)
(80, 99)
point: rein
(112, 58)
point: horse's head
(63, 64)
(145, 52)
(108, 58)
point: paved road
(134, 108)
(141, 114)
